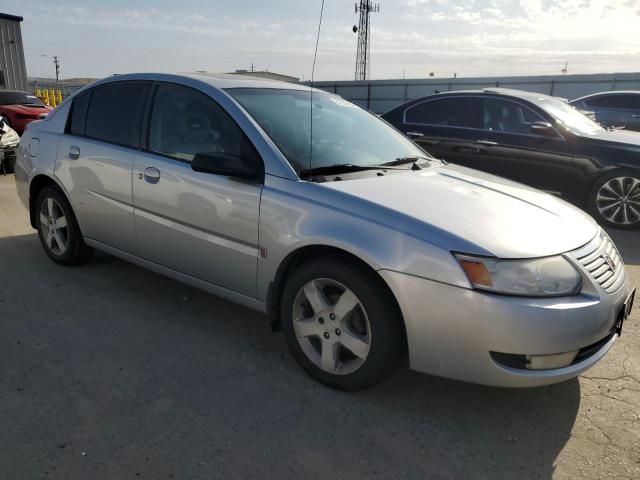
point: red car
(20, 108)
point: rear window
(113, 112)
(19, 98)
(615, 101)
(451, 111)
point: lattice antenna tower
(363, 55)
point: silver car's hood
(497, 216)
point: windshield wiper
(344, 168)
(414, 160)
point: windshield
(19, 98)
(570, 117)
(343, 133)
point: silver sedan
(357, 244)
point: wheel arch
(305, 253)
(36, 185)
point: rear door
(447, 128)
(200, 224)
(95, 160)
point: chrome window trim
(558, 136)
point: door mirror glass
(224, 164)
(543, 128)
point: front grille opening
(603, 262)
(513, 360)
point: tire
(614, 199)
(354, 312)
(54, 214)
(9, 163)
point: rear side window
(113, 113)
(452, 111)
(615, 101)
(78, 114)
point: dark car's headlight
(540, 277)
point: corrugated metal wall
(380, 96)
(12, 62)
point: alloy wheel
(54, 226)
(618, 200)
(331, 326)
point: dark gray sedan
(613, 109)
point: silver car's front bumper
(452, 331)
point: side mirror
(543, 128)
(224, 164)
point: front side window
(113, 112)
(569, 117)
(185, 122)
(340, 133)
(501, 115)
(458, 111)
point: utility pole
(363, 66)
(56, 62)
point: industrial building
(13, 69)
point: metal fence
(67, 88)
(381, 96)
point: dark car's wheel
(341, 323)
(58, 229)
(615, 199)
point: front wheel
(341, 323)
(615, 199)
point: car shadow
(627, 242)
(146, 375)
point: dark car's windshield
(569, 116)
(343, 133)
(19, 98)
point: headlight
(540, 277)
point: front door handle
(151, 175)
(635, 115)
(74, 153)
(487, 142)
(414, 134)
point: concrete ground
(108, 371)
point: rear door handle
(151, 175)
(466, 149)
(486, 142)
(414, 134)
(74, 153)
(635, 115)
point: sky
(410, 38)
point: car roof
(610, 92)
(217, 80)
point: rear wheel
(341, 323)
(615, 199)
(58, 229)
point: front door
(200, 224)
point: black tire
(595, 205)
(384, 319)
(9, 163)
(76, 252)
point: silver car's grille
(601, 259)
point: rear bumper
(452, 331)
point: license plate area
(625, 311)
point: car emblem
(609, 261)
